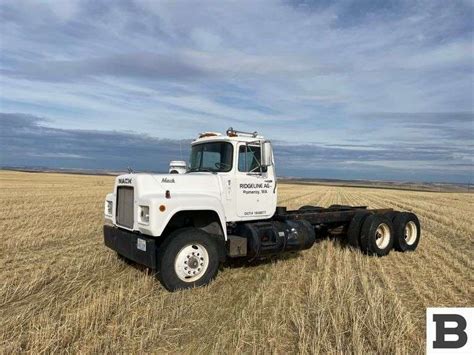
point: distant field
(379, 184)
(390, 185)
(62, 290)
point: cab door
(254, 190)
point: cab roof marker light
(234, 133)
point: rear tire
(377, 235)
(189, 257)
(391, 215)
(354, 230)
(407, 231)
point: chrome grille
(125, 206)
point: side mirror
(267, 154)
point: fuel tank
(274, 237)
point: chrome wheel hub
(191, 262)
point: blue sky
(346, 89)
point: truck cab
(230, 178)
(243, 166)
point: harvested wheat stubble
(62, 290)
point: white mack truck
(225, 207)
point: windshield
(213, 157)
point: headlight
(144, 214)
(109, 206)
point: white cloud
(305, 73)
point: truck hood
(199, 182)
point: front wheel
(188, 258)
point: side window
(249, 159)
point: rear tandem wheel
(407, 231)
(354, 229)
(377, 236)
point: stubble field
(61, 290)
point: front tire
(188, 258)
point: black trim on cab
(126, 244)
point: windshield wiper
(201, 170)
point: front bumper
(136, 247)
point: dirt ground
(62, 290)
